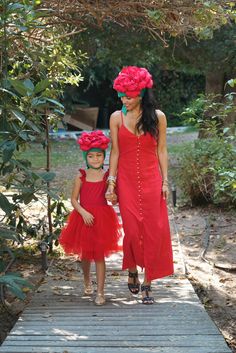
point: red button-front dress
(99, 240)
(147, 241)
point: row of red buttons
(139, 185)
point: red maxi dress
(147, 241)
(99, 240)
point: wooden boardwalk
(60, 319)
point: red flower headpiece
(94, 139)
(132, 80)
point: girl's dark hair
(148, 121)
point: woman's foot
(100, 299)
(88, 289)
(146, 291)
(133, 282)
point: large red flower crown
(132, 80)
(94, 139)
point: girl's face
(131, 103)
(95, 159)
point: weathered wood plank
(82, 342)
(111, 330)
(130, 349)
(165, 340)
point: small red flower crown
(132, 80)
(94, 139)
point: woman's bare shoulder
(161, 117)
(116, 114)
(116, 117)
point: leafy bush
(208, 173)
(12, 281)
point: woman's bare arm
(162, 150)
(114, 155)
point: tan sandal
(100, 299)
(88, 290)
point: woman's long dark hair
(148, 121)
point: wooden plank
(130, 349)
(174, 341)
(149, 342)
(116, 327)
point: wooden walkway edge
(60, 319)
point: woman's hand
(109, 195)
(88, 218)
(165, 191)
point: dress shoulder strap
(83, 174)
(122, 117)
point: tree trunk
(216, 85)
(229, 121)
(215, 81)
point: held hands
(88, 218)
(111, 195)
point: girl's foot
(146, 291)
(88, 289)
(100, 299)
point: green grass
(178, 149)
(63, 154)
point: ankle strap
(133, 274)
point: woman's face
(131, 103)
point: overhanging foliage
(174, 17)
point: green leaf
(47, 176)
(232, 82)
(9, 234)
(19, 87)
(9, 92)
(27, 122)
(27, 197)
(41, 86)
(29, 86)
(5, 205)
(19, 115)
(14, 283)
(8, 150)
(54, 102)
(15, 6)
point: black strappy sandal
(134, 287)
(147, 300)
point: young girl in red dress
(92, 230)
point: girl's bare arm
(87, 217)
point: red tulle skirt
(92, 242)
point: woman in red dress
(138, 160)
(92, 230)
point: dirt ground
(208, 242)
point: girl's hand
(88, 218)
(114, 199)
(165, 191)
(110, 193)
